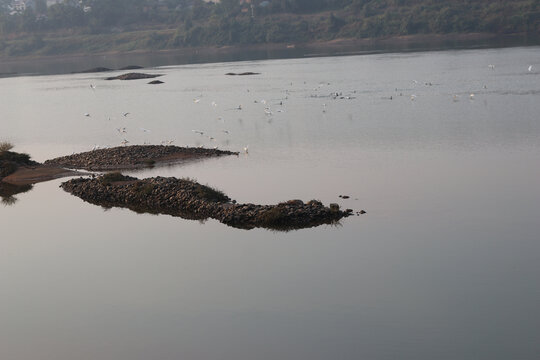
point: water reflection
(8, 192)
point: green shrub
(208, 193)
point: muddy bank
(132, 157)
(38, 173)
(190, 200)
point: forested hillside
(98, 25)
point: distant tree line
(199, 23)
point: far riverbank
(69, 63)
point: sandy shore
(28, 175)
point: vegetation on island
(10, 161)
(89, 26)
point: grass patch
(112, 177)
(18, 158)
(206, 192)
(143, 188)
(272, 217)
(209, 193)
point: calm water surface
(444, 265)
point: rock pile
(130, 157)
(190, 200)
(132, 76)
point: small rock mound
(133, 76)
(243, 73)
(156, 82)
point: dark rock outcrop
(133, 76)
(156, 82)
(243, 73)
(190, 200)
(136, 156)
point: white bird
(196, 101)
(239, 107)
(246, 149)
(471, 96)
(93, 87)
(267, 111)
(198, 132)
(491, 66)
(214, 104)
(455, 98)
(530, 68)
(413, 97)
(87, 114)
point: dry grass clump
(5, 146)
(112, 177)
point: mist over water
(444, 265)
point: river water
(444, 265)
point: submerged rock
(243, 73)
(190, 200)
(133, 76)
(156, 82)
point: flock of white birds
(279, 107)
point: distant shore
(13, 66)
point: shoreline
(112, 159)
(209, 54)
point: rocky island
(133, 76)
(190, 200)
(133, 157)
(159, 195)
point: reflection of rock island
(190, 200)
(8, 192)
